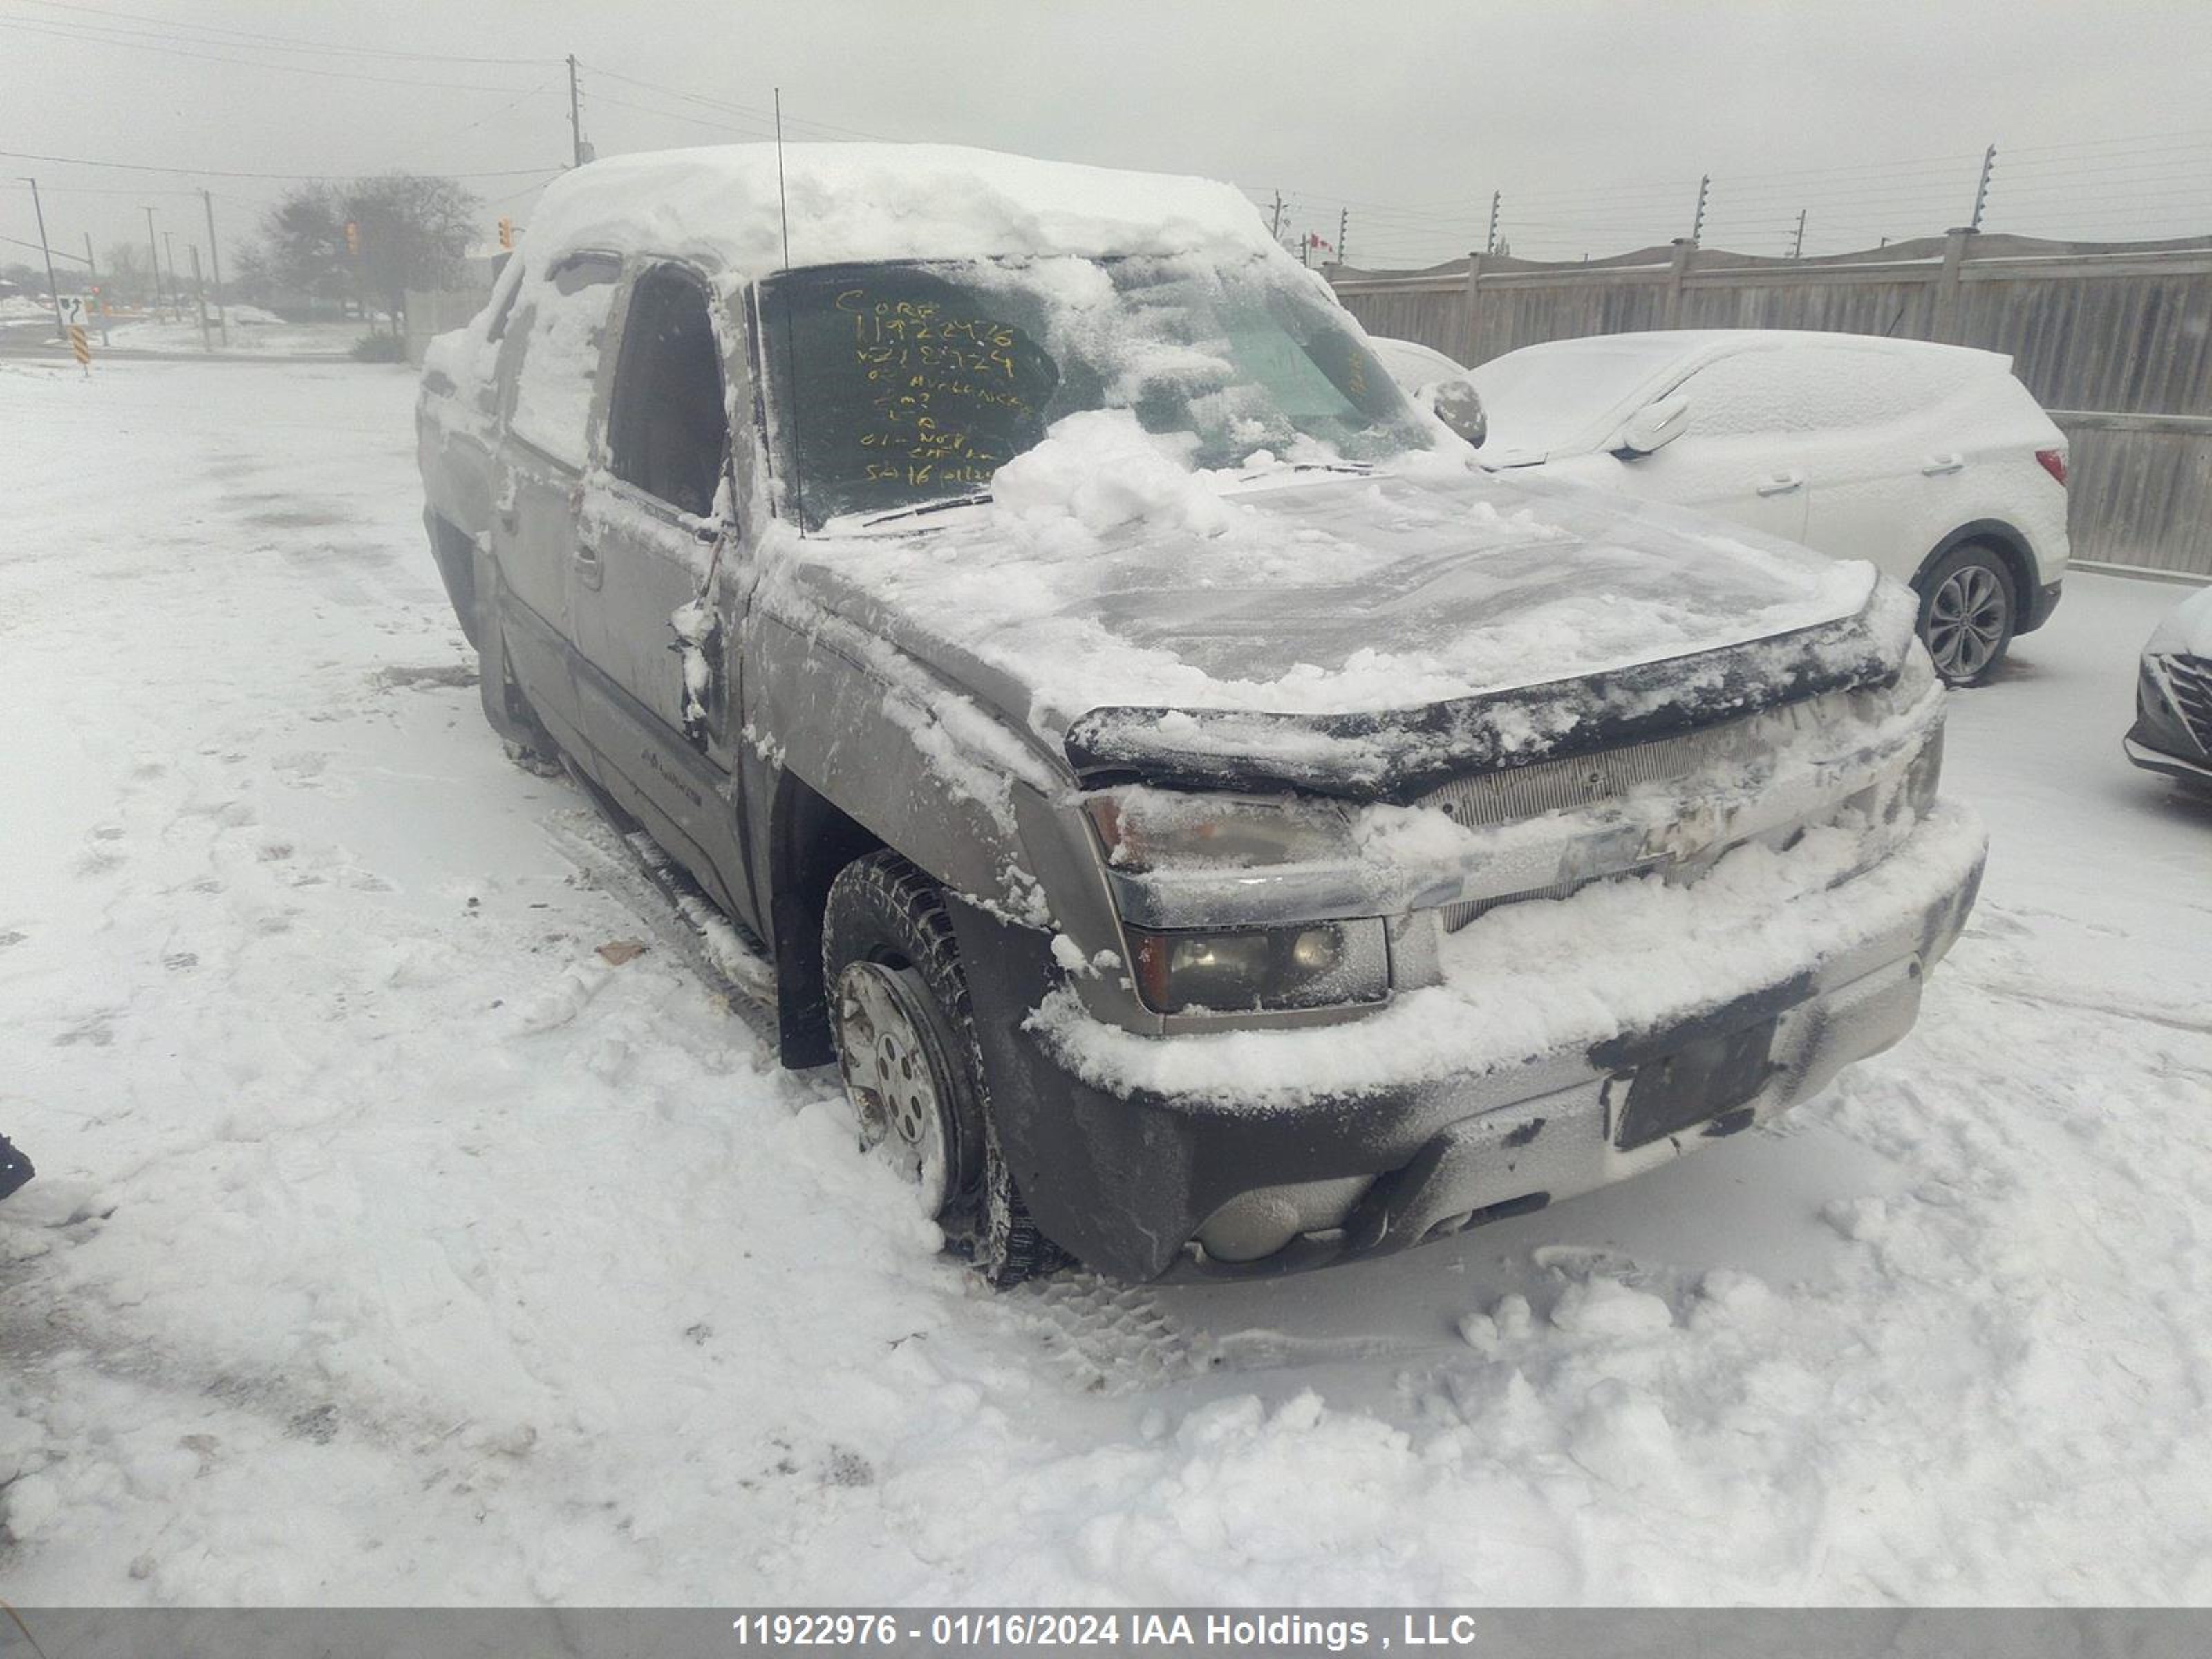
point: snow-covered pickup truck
(1214, 826)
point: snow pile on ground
(268, 334)
(391, 1244)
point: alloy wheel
(1966, 621)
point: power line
(249, 63)
(219, 173)
(174, 27)
(678, 115)
(747, 110)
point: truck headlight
(1142, 830)
(1312, 965)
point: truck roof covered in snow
(720, 205)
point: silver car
(1214, 826)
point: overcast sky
(1595, 121)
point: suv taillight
(2054, 463)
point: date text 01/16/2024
(1010, 1627)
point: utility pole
(215, 262)
(199, 287)
(92, 278)
(1343, 226)
(575, 114)
(53, 287)
(176, 288)
(1981, 187)
(1495, 196)
(1275, 220)
(153, 247)
(1797, 247)
(1697, 224)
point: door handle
(1782, 483)
(588, 567)
(1936, 463)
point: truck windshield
(895, 386)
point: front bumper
(1128, 1177)
(2164, 738)
(2152, 758)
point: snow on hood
(853, 203)
(1189, 612)
(2187, 628)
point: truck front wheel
(905, 1034)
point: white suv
(1932, 461)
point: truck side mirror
(1652, 428)
(1459, 406)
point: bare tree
(412, 233)
(123, 277)
(406, 231)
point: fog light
(1253, 1226)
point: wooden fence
(2115, 339)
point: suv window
(1812, 388)
(560, 358)
(667, 432)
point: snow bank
(850, 202)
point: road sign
(80, 347)
(73, 312)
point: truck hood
(1361, 635)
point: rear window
(565, 318)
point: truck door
(548, 396)
(650, 669)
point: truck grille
(1563, 785)
(2191, 680)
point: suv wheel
(905, 1036)
(1967, 614)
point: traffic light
(353, 239)
(507, 233)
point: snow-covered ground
(391, 1244)
(157, 333)
(171, 336)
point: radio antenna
(790, 341)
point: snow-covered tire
(1969, 610)
(886, 926)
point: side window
(553, 388)
(668, 432)
(1850, 388)
(1749, 393)
(1813, 388)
